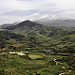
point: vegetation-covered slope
(33, 49)
(39, 37)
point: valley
(30, 48)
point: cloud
(5, 19)
(20, 8)
(14, 5)
(68, 13)
(19, 13)
(19, 5)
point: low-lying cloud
(21, 8)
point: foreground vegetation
(14, 64)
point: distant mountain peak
(25, 26)
(38, 16)
(26, 22)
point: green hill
(33, 49)
(39, 37)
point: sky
(16, 10)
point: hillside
(30, 48)
(26, 27)
(38, 36)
